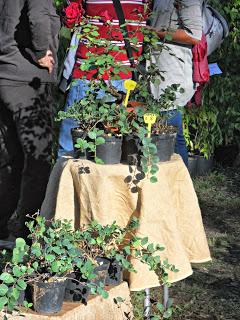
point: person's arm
(39, 21)
(179, 36)
(190, 13)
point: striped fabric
(135, 12)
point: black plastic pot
(101, 270)
(21, 298)
(115, 274)
(48, 297)
(192, 166)
(110, 151)
(173, 136)
(164, 144)
(76, 290)
(78, 133)
(204, 165)
(130, 149)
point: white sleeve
(191, 15)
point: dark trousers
(25, 149)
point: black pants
(25, 149)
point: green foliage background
(223, 91)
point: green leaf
(150, 247)
(153, 179)
(55, 266)
(3, 302)
(160, 307)
(127, 250)
(92, 135)
(119, 299)
(57, 250)
(22, 284)
(35, 265)
(15, 293)
(100, 140)
(6, 278)
(20, 243)
(50, 257)
(169, 302)
(17, 271)
(144, 241)
(154, 169)
(3, 289)
(167, 314)
(98, 160)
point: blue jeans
(77, 92)
(175, 119)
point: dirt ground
(213, 291)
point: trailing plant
(122, 244)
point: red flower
(105, 16)
(72, 14)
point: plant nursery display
(109, 120)
(61, 263)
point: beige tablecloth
(168, 210)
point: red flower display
(72, 14)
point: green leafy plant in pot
(118, 245)
(203, 134)
(43, 266)
(99, 115)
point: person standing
(181, 20)
(28, 45)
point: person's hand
(47, 61)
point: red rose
(105, 16)
(72, 14)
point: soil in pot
(115, 274)
(192, 166)
(130, 149)
(164, 144)
(78, 133)
(110, 152)
(204, 165)
(47, 297)
(76, 289)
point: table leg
(165, 295)
(147, 305)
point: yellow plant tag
(129, 85)
(150, 119)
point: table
(168, 211)
(96, 308)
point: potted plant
(118, 245)
(105, 120)
(203, 134)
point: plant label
(150, 119)
(129, 85)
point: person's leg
(33, 117)
(75, 94)
(11, 162)
(180, 146)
